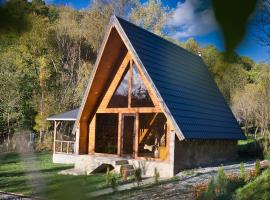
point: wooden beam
(129, 83)
(130, 110)
(149, 129)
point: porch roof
(65, 116)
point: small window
(139, 94)
(120, 96)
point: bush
(250, 175)
(221, 181)
(46, 145)
(125, 174)
(234, 182)
(265, 144)
(138, 175)
(256, 189)
(242, 171)
(257, 167)
(210, 193)
(156, 173)
(251, 148)
(113, 181)
(108, 176)
(199, 190)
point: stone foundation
(199, 153)
(86, 164)
(64, 158)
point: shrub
(242, 171)
(125, 174)
(108, 175)
(257, 167)
(113, 181)
(221, 181)
(157, 175)
(210, 193)
(199, 190)
(265, 144)
(256, 189)
(250, 175)
(234, 182)
(138, 175)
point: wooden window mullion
(129, 84)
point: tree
(245, 105)
(192, 46)
(152, 16)
(10, 98)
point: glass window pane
(152, 135)
(139, 94)
(106, 133)
(120, 96)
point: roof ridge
(155, 35)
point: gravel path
(182, 188)
(12, 196)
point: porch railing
(64, 146)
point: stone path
(182, 188)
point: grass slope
(35, 174)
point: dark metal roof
(65, 116)
(185, 85)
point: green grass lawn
(35, 174)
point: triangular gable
(114, 28)
(127, 96)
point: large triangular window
(139, 94)
(131, 91)
(120, 96)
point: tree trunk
(255, 134)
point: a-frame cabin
(151, 103)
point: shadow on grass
(14, 177)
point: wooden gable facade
(122, 114)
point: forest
(47, 54)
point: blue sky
(192, 18)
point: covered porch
(142, 136)
(64, 138)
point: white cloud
(189, 20)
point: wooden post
(136, 135)
(68, 146)
(168, 135)
(119, 141)
(54, 136)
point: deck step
(127, 166)
(121, 162)
(131, 172)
